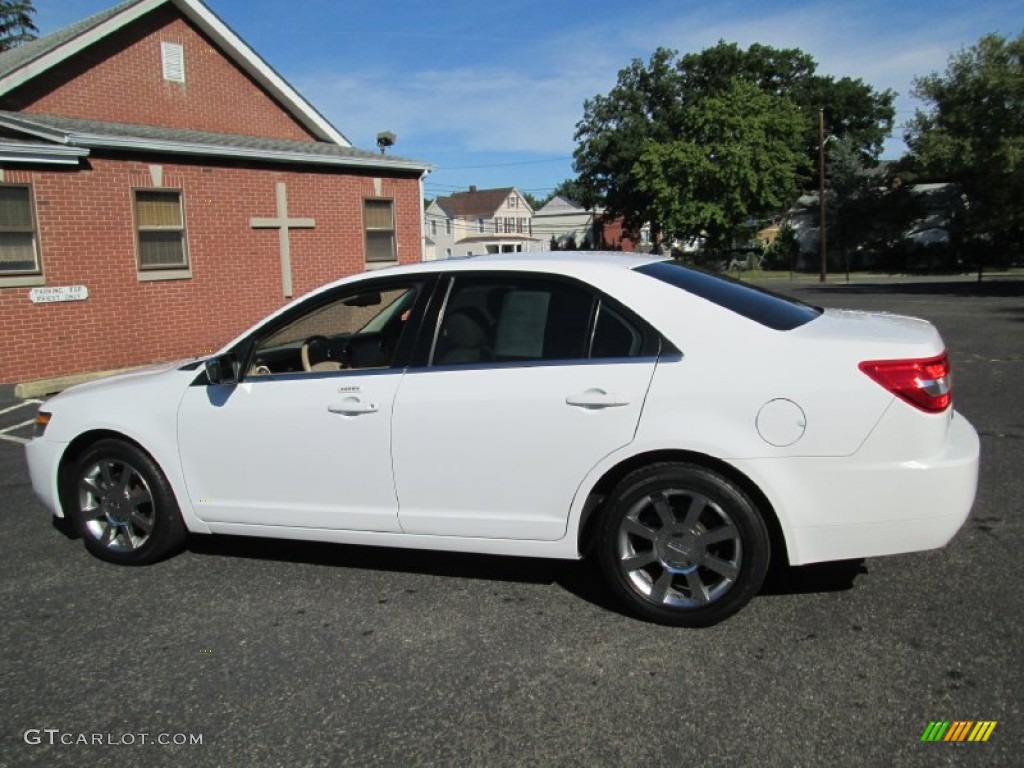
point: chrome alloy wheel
(116, 505)
(679, 549)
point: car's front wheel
(122, 505)
(682, 545)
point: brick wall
(86, 237)
(613, 235)
(120, 79)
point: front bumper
(43, 458)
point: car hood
(150, 375)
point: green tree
(16, 26)
(739, 154)
(972, 133)
(853, 109)
(645, 105)
(663, 102)
(570, 190)
(535, 202)
(849, 184)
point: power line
(501, 165)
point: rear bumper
(839, 509)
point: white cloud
(483, 109)
(531, 103)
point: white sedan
(682, 428)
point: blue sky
(489, 91)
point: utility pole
(821, 195)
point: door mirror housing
(222, 369)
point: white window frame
(172, 60)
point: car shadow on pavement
(428, 562)
(837, 576)
(580, 578)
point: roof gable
(475, 203)
(22, 65)
(559, 205)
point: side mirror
(222, 370)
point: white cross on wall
(283, 224)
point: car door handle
(596, 398)
(352, 407)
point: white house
(563, 220)
(479, 221)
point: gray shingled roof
(96, 133)
(16, 58)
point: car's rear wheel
(122, 505)
(682, 545)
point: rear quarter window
(765, 307)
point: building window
(480, 224)
(161, 229)
(379, 220)
(173, 58)
(18, 252)
(513, 201)
(519, 226)
(447, 226)
(433, 228)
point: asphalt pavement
(271, 653)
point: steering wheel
(319, 355)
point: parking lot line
(22, 404)
(21, 425)
(15, 438)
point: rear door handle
(352, 406)
(596, 398)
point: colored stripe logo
(958, 730)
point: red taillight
(924, 383)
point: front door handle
(352, 406)
(596, 398)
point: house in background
(567, 225)
(570, 225)
(162, 187)
(480, 221)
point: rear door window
(511, 318)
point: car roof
(554, 261)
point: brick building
(161, 187)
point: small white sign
(58, 293)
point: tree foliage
(738, 155)
(639, 147)
(972, 133)
(16, 25)
(569, 190)
(536, 203)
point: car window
(614, 335)
(781, 313)
(359, 328)
(513, 319)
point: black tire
(122, 505)
(682, 545)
